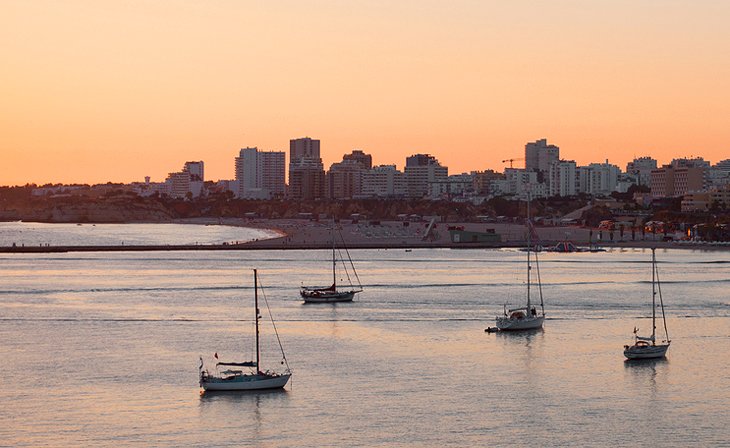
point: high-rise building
(260, 174)
(306, 180)
(303, 148)
(357, 155)
(598, 179)
(383, 181)
(273, 172)
(723, 165)
(641, 169)
(420, 170)
(562, 178)
(247, 171)
(188, 180)
(306, 172)
(344, 179)
(539, 155)
(196, 170)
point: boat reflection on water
(640, 364)
(241, 396)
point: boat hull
(345, 296)
(246, 382)
(646, 352)
(526, 323)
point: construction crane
(512, 160)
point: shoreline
(299, 234)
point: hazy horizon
(115, 91)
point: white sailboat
(645, 347)
(233, 377)
(526, 317)
(330, 294)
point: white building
(454, 185)
(196, 171)
(625, 181)
(562, 178)
(187, 181)
(178, 184)
(641, 168)
(521, 184)
(261, 174)
(717, 177)
(598, 179)
(383, 181)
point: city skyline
(519, 163)
(104, 91)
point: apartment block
(306, 171)
(420, 170)
(673, 181)
(641, 168)
(539, 156)
(306, 179)
(344, 179)
(598, 179)
(261, 174)
(562, 177)
(384, 181)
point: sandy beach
(308, 234)
(302, 233)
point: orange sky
(95, 91)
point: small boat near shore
(332, 294)
(234, 378)
(645, 347)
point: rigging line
(344, 266)
(339, 252)
(539, 284)
(359, 284)
(661, 301)
(273, 324)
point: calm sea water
(102, 349)
(37, 234)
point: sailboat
(526, 317)
(331, 294)
(233, 377)
(645, 347)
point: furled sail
(238, 364)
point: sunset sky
(95, 91)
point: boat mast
(653, 295)
(334, 260)
(256, 307)
(529, 244)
